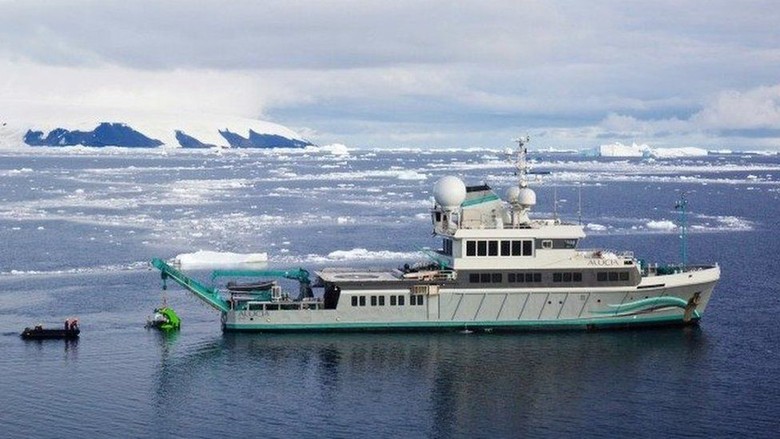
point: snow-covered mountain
(148, 131)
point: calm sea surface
(78, 227)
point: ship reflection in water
(437, 385)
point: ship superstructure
(497, 269)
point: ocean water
(78, 227)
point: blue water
(78, 228)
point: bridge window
(524, 247)
(362, 300)
(547, 243)
(354, 301)
(392, 301)
(492, 248)
(400, 300)
(373, 300)
(381, 300)
(481, 248)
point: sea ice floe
(661, 225)
(213, 259)
(364, 254)
(596, 227)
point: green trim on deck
(480, 200)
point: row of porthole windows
(518, 247)
(574, 276)
(612, 276)
(394, 300)
(568, 277)
(497, 278)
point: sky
(571, 74)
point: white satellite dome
(513, 194)
(449, 192)
(526, 197)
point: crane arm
(208, 295)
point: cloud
(752, 113)
(30, 87)
(361, 71)
(757, 108)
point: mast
(520, 161)
(521, 197)
(681, 205)
(579, 203)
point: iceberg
(203, 259)
(667, 153)
(618, 149)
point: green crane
(213, 297)
(299, 274)
(208, 295)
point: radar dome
(526, 197)
(449, 192)
(513, 194)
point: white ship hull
(658, 300)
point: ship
(497, 269)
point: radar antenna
(520, 160)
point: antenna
(681, 204)
(579, 203)
(521, 160)
(555, 203)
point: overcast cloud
(412, 73)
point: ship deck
(340, 275)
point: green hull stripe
(515, 325)
(644, 304)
